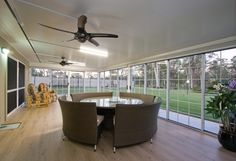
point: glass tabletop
(110, 102)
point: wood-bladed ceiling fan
(82, 35)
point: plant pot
(227, 139)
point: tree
(156, 67)
(175, 72)
(233, 67)
(217, 68)
(192, 67)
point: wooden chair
(48, 95)
(34, 98)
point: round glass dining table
(110, 102)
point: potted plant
(223, 106)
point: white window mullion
(30, 75)
(17, 84)
(103, 82)
(167, 89)
(98, 82)
(51, 79)
(117, 82)
(203, 66)
(68, 83)
(110, 81)
(5, 65)
(129, 79)
(84, 81)
(145, 79)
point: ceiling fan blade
(93, 42)
(56, 28)
(53, 62)
(82, 20)
(70, 40)
(102, 35)
(65, 63)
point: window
(11, 74)
(90, 81)
(220, 67)
(15, 84)
(114, 82)
(102, 81)
(77, 82)
(41, 75)
(107, 81)
(185, 90)
(123, 79)
(156, 82)
(137, 81)
(60, 81)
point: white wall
(3, 65)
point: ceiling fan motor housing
(63, 63)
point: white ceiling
(146, 29)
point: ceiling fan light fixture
(92, 51)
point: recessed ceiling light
(92, 51)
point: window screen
(21, 75)
(11, 74)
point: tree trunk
(157, 74)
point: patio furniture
(106, 107)
(35, 98)
(79, 96)
(80, 121)
(49, 95)
(134, 123)
(147, 99)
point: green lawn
(182, 101)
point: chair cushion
(99, 119)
